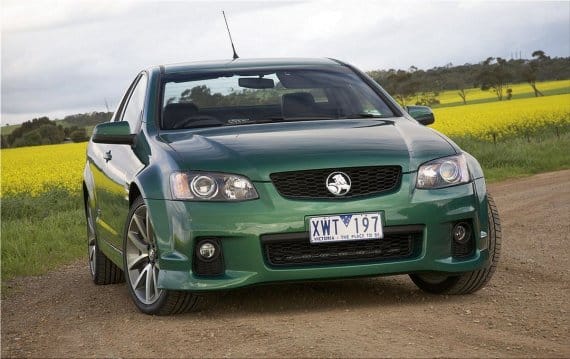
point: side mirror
(422, 114)
(118, 133)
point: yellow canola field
(34, 169)
(504, 118)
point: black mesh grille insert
(298, 251)
(462, 251)
(312, 183)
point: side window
(133, 109)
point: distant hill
(87, 119)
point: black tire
(162, 302)
(102, 269)
(469, 282)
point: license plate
(345, 227)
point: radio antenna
(230, 34)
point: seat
(298, 104)
(176, 112)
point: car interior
(296, 105)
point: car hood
(256, 151)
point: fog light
(207, 250)
(461, 232)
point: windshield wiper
(242, 122)
(253, 122)
(365, 115)
(280, 119)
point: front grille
(296, 250)
(312, 183)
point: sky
(65, 57)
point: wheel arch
(88, 184)
(474, 166)
(86, 197)
(134, 193)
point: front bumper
(178, 225)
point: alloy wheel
(142, 258)
(91, 242)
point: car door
(119, 164)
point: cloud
(35, 15)
(63, 57)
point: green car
(219, 175)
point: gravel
(523, 312)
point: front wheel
(471, 281)
(141, 267)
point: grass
(43, 229)
(518, 157)
(558, 91)
(520, 90)
(42, 232)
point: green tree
(4, 141)
(87, 119)
(529, 70)
(461, 92)
(201, 96)
(461, 87)
(495, 75)
(51, 134)
(402, 85)
(79, 135)
(39, 131)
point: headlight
(443, 172)
(209, 186)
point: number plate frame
(345, 227)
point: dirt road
(524, 311)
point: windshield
(240, 98)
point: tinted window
(135, 105)
(231, 98)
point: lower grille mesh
(299, 252)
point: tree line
(43, 131)
(492, 74)
(414, 85)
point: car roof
(245, 63)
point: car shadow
(320, 296)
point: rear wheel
(102, 270)
(141, 266)
(471, 281)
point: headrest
(298, 104)
(176, 112)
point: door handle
(108, 156)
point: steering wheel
(198, 121)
